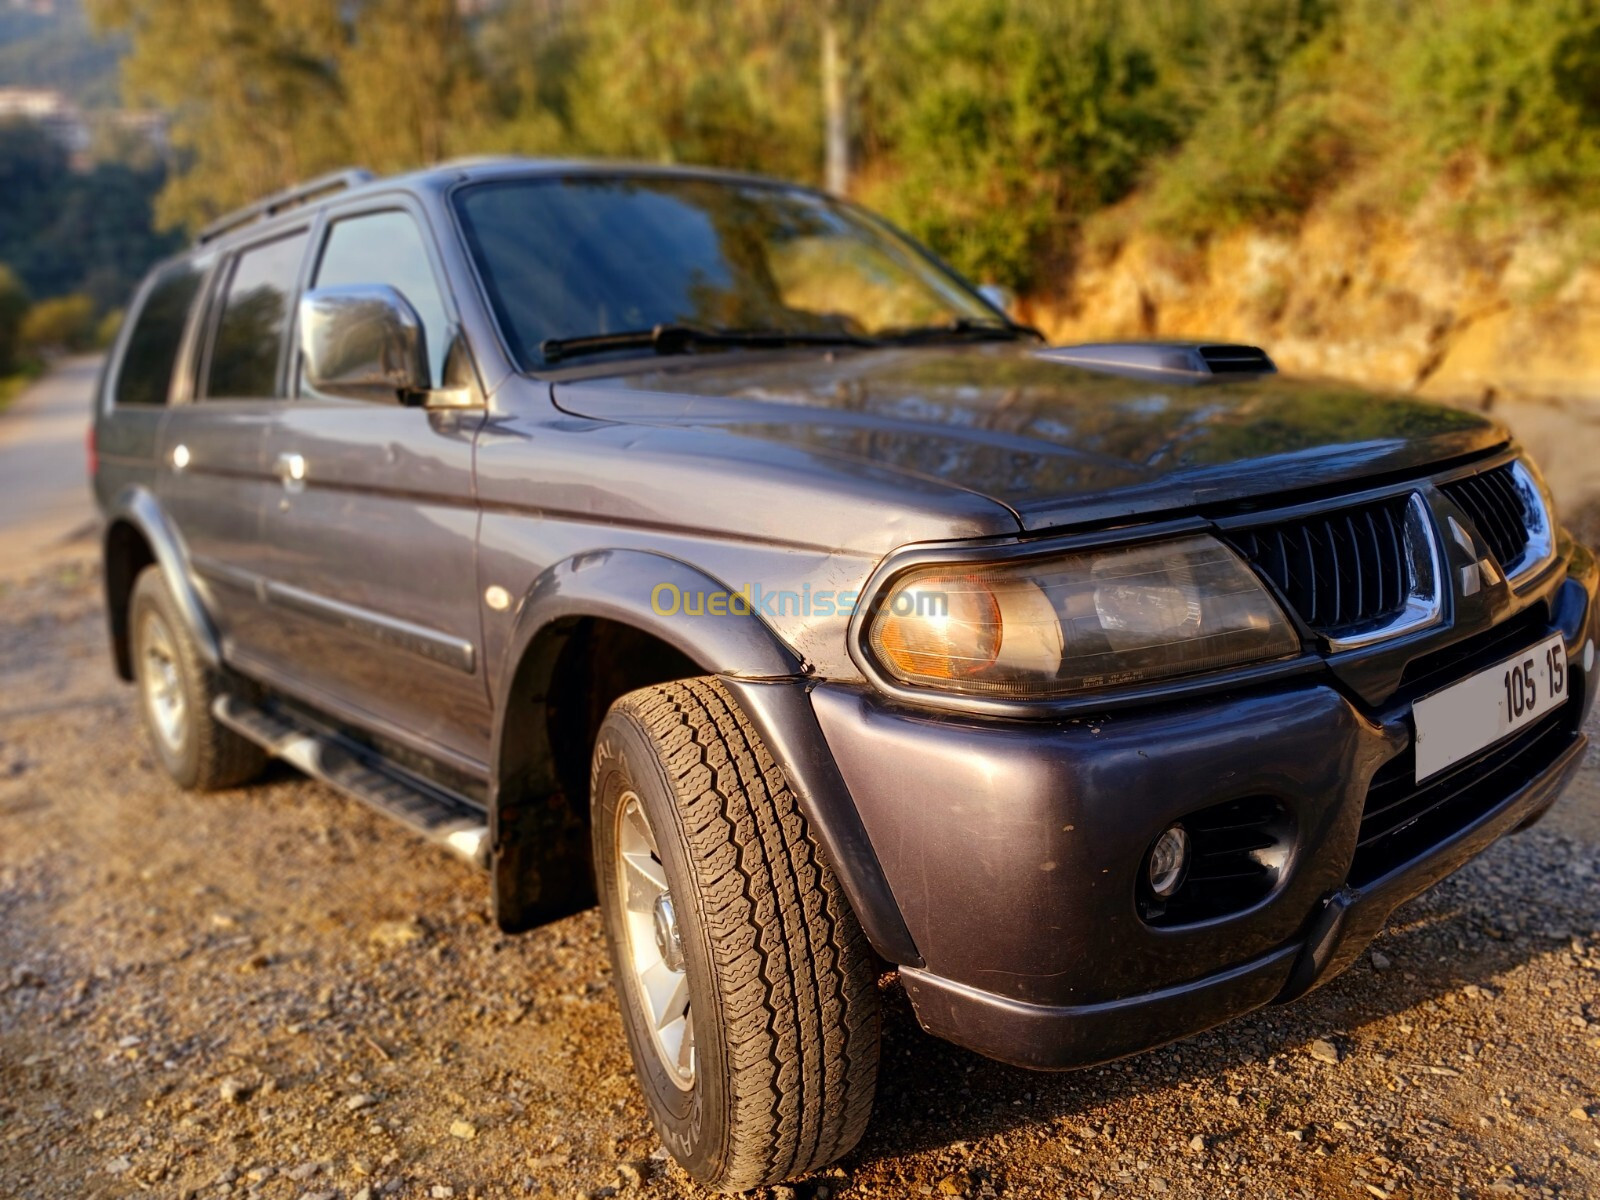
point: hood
(1056, 443)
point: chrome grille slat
(1497, 510)
(1339, 569)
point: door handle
(291, 468)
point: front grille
(1432, 671)
(1403, 820)
(1338, 569)
(1498, 511)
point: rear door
(146, 366)
(214, 479)
(371, 534)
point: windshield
(584, 256)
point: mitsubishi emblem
(1479, 573)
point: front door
(371, 538)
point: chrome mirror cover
(363, 342)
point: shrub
(1009, 122)
(1515, 85)
(13, 307)
(106, 331)
(65, 323)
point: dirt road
(271, 993)
(44, 491)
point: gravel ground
(272, 993)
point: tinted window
(595, 255)
(255, 314)
(151, 356)
(387, 248)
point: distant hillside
(56, 49)
(1406, 303)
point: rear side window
(255, 315)
(151, 357)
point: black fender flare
(618, 585)
(530, 883)
(137, 507)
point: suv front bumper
(1012, 851)
(1063, 1036)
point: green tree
(1269, 127)
(1515, 85)
(32, 169)
(64, 230)
(265, 93)
(1006, 122)
(412, 92)
(251, 88)
(992, 128)
(528, 51)
(734, 84)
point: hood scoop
(1169, 362)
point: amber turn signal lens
(938, 627)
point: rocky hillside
(1513, 329)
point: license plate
(1457, 722)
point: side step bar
(436, 814)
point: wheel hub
(668, 943)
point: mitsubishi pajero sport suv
(700, 544)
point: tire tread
(796, 976)
(222, 758)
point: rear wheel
(747, 989)
(177, 690)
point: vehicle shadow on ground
(932, 1094)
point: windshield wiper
(961, 329)
(679, 339)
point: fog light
(1169, 861)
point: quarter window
(388, 248)
(255, 314)
(150, 358)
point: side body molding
(539, 845)
(137, 507)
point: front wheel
(747, 989)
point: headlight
(1078, 623)
(1539, 512)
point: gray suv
(702, 545)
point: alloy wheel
(162, 684)
(654, 950)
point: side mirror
(363, 342)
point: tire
(176, 692)
(780, 981)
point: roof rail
(290, 197)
